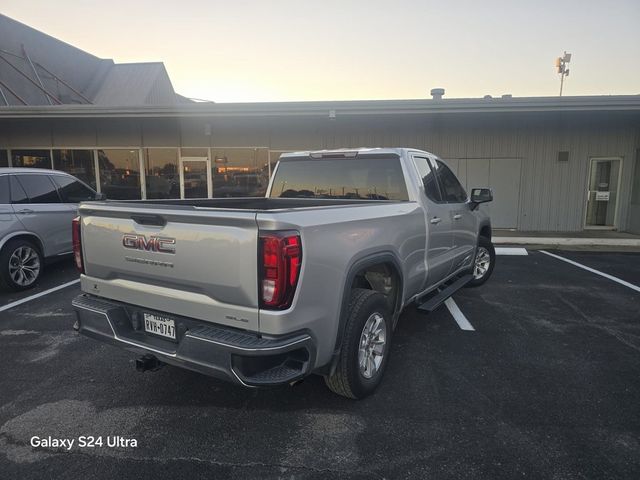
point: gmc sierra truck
(312, 278)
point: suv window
(72, 191)
(17, 192)
(428, 179)
(39, 188)
(451, 189)
(4, 189)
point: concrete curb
(564, 241)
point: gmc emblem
(154, 244)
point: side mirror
(100, 196)
(480, 195)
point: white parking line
(457, 315)
(593, 270)
(38, 295)
(511, 251)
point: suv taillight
(77, 244)
(280, 260)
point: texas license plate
(160, 325)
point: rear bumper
(222, 352)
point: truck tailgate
(200, 263)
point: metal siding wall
(160, 133)
(123, 132)
(552, 194)
(75, 133)
(26, 133)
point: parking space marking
(38, 295)
(457, 315)
(511, 251)
(593, 270)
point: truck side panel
(333, 240)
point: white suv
(36, 210)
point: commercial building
(555, 163)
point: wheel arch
(27, 236)
(485, 230)
(372, 263)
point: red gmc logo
(154, 244)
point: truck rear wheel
(365, 346)
(483, 262)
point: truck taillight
(280, 260)
(77, 244)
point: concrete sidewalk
(589, 238)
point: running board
(433, 302)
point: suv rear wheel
(20, 264)
(365, 346)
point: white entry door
(195, 177)
(602, 196)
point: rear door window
(39, 188)
(428, 177)
(452, 191)
(72, 191)
(18, 195)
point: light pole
(561, 65)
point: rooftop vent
(487, 97)
(507, 95)
(437, 93)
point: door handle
(435, 220)
(457, 216)
(25, 211)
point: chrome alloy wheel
(372, 345)
(482, 262)
(24, 266)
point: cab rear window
(341, 178)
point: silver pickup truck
(310, 279)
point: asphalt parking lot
(546, 385)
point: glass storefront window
(240, 172)
(120, 174)
(4, 158)
(194, 152)
(161, 172)
(78, 163)
(31, 158)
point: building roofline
(50, 37)
(606, 103)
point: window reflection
(120, 173)
(362, 179)
(240, 172)
(31, 158)
(161, 173)
(78, 163)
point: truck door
(439, 224)
(462, 219)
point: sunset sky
(284, 50)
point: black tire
(347, 379)
(484, 245)
(6, 281)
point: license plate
(159, 325)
